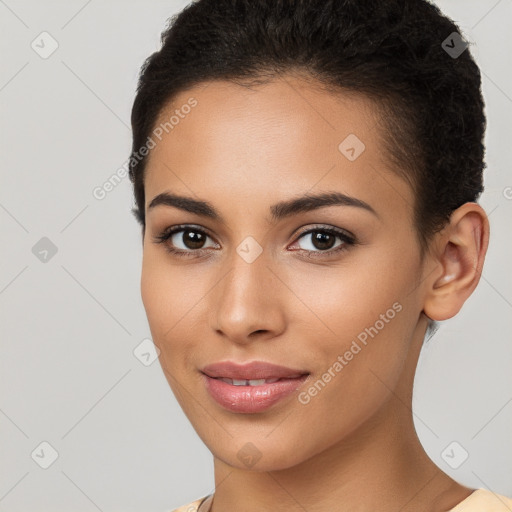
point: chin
(259, 453)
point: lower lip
(250, 399)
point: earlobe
(462, 245)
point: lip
(251, 371)
(246, 398)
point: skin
(354, 445)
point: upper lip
(250, 371)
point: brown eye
(191, 239)
(184, 240)
(324, 240)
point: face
(326, 290)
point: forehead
(269, 142)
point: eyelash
(348, 240)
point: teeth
(243, 382)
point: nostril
(259, 331)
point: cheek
(344, 301)
(160, 302)
(160, 299)
(152, 287)
(172, 305)
(162, 290)
(364, 313)
(357, 374)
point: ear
(459, 252)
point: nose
(248, 302)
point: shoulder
(482, 500)
(194, 505)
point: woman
(306, 175)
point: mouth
(253, 371)
(253, 382)
(251, 388)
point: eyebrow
(281, 210)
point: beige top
(480, 500)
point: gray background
(70, 324)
